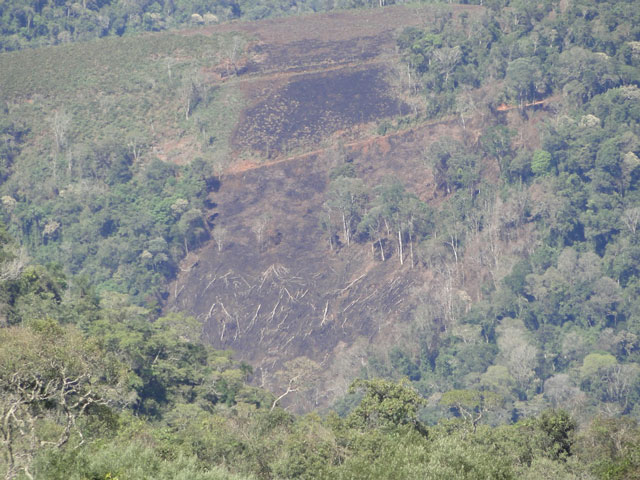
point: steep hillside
(240, 100)
(272, 289)
(442, 251)
(445, 193)
(204, 230)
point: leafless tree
(219, 235)
(466, 106)
(299, 375)
(631, 219)
(191, 91)
(233, 49)
(517, 353)
(12, 267)
(220, 164)
(259, 227)
(59, 123)
(446, 60)
(56, 388)
(619, 382)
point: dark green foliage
(454, 166)
(144, 221)
(11, 136)
(192, 430)
(386, 404)
(541, 162)
(496, 143)
(401, 363)
(559, 431)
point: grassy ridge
(107, 65)
(114, 83)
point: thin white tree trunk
(346, 230)
(411, 249)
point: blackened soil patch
(276, 291)
(311, 107)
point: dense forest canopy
(93, 389)
(520, 360)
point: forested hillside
(93, 388)
(559, 325)
(417, 226)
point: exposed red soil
(178, 151)
(364, 144)
(503, 107)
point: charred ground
(274, 291)
(310, 107)
(270, 287)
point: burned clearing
(305, 78)
(271, 287)
(311, 107)
(274, 291)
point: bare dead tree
(447, 59)
(57, 389)
(12, 268)
(233, 51)
(259, 227)
(59, 123)
(220, 164)
(290, 389)
(190, 92)
(299, 374)
(631, 219)
(219, 235)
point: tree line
(36, 23)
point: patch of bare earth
(180, 151)
(307, 77)
(268, 285)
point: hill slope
(447, 193)
(272, 288)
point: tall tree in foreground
(50, 378)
